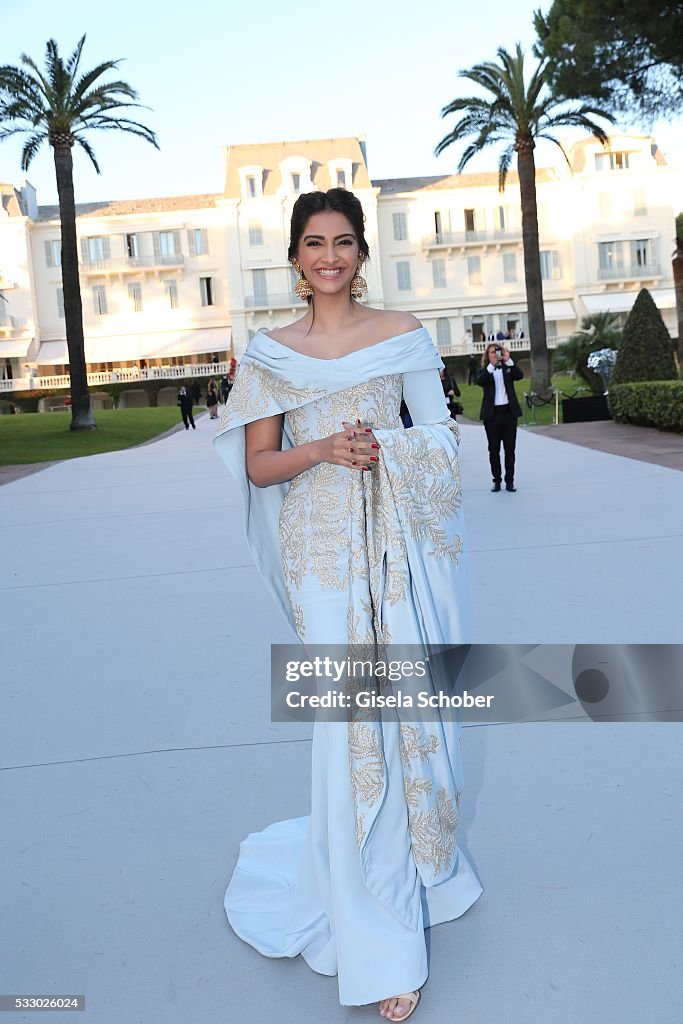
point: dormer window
(251, 186)
(341, 178)
(296, 183)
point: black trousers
(502, 428)
(188, 419)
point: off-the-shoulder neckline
(336, 359)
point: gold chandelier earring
(359, 285)
(302, 287)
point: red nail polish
(357, 421)
(354, 463)
(350, 449)
(364, 467)
(374, 446)
(373, 458)
(368, 430)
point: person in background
(212, 400)
(472, 367)
(500, 410)
(185, 403)
(451, 391)
(226, 385)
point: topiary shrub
(646, 350)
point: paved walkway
(136, 748)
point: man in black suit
(500, 410)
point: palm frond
(75, 58)
(504, 163)
(123, 124)
(31, 147)
(86, 81)
(85, 145)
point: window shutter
(190, 242)
(480, 219)
(95, 300)
(106, 248)
(85, 252)
(48, 254)
(177, 245)
(205, 240)
(556, 265)
(156, 242)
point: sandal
(413, 998)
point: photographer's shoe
(496, 486)
(510, 487)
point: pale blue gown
(356, 557)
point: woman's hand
(354, 447)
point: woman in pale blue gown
(356, 526)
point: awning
(15, 347)
(132, 348)
(559, 310)
(621, 302)
(52, 353)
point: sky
(225, 73)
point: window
(611, 161)
(260, 284)
(642, 254)
(206, 291)
(438, 225)
(605, 205)
(95, 250)
(171, 289)
(341, 179)
(198, 241)
(439, 273)
(469, 220)
(400, 227)
(132, 247)
(167, 248)
(509, 267)
(550, 264)
(502, 219)
(551, 328)
(99, 299)
(443, 331)
(403, 275)
(53, 252)
(474, 269)
(296, 183)
(639, 203)
(60, 303)
(255, 232)
(251, 186)
(135, 296)
(611, 255)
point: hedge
(656, 403)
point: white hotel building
(183, 281)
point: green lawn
(471, 399)
(44, 437)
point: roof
(120, 207)
(387, 186)
(269, 155)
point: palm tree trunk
(540, 362)
(81, 413)
(677, 264)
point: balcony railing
(11, 325)
(444, 239)
(629, 272)
(121, 264)
(118, 375)
(277, 300)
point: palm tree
(677, 263)
(599, 330)
(59, 105)
(518, 114)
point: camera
(499, 352)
